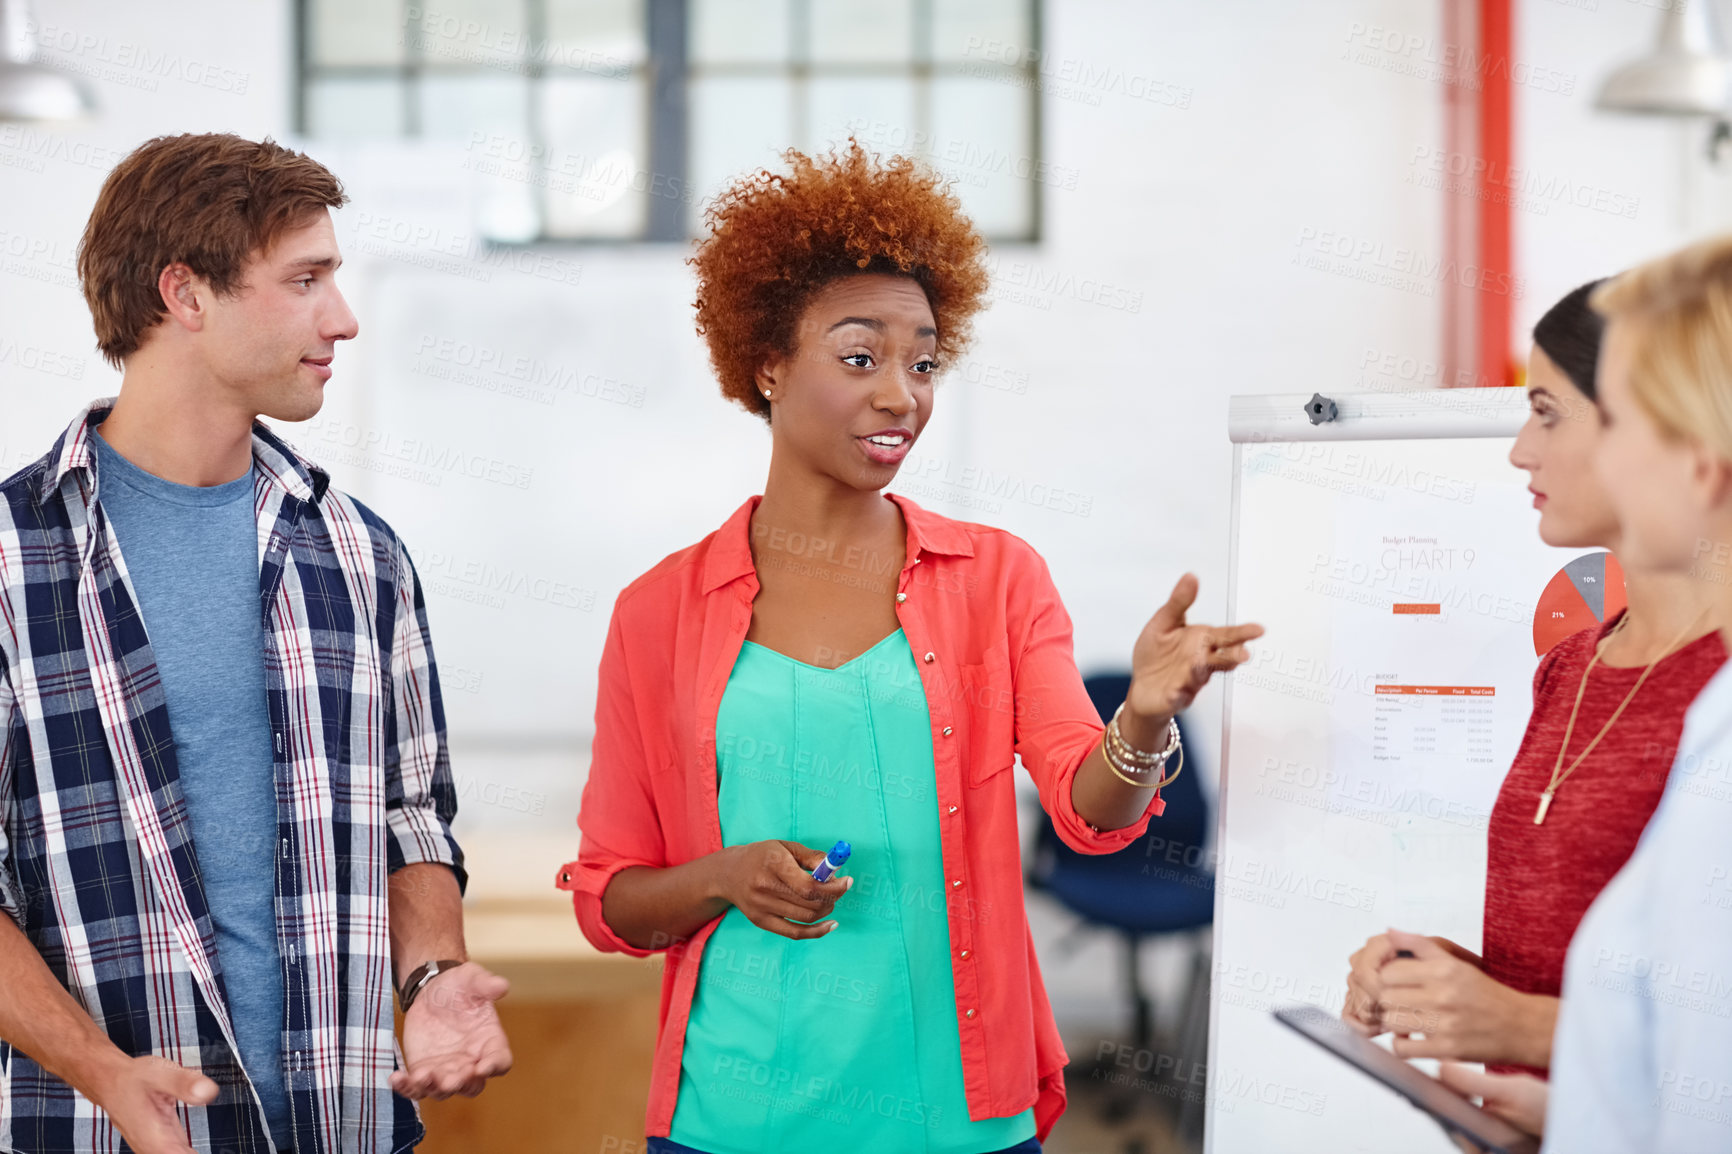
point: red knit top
(1540, 879)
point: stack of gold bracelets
(1135, 766)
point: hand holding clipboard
(1461, 1119)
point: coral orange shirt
(993, 643)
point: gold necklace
(1569, 730)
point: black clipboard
(1453, 1112)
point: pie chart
(1583, 594)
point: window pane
(506, 212)
(456, 107)
(470, 33)
(879, 112)
(353, 32)
(355, 109)
(601, 36)
(593, 175)
(981, 31)
(738, 123)
(983, 136)
(862, 31)
(740, 31)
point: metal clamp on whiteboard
(1320, 408)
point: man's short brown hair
(212, 201)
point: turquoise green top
(849, 1041)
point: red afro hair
(775, 239)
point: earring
(766, 394)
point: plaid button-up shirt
(97, 860)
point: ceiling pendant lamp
(30, 91)
(1684, 75)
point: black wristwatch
(419, 977)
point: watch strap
(420, 976)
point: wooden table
(582, 1027)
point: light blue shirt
(1642, 1058)
(192, 556)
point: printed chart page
(1407, 596)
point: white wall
(1602, 192)
(1295, 128)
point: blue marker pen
(833, 861)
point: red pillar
(1478, 118)
(1496, 256)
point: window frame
(667, 71)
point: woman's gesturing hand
(1172, 661)
(771, 882)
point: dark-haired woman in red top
(1588, 775)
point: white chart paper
(1366, 742)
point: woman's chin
(1557, 533)
(875, 478)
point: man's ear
(185, 295)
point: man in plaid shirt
(225, 798)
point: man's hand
(452, 1039)
(140, 1098)
(1463, 1013)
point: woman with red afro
(837, 668)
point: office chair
(1160, 885)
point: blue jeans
(663, 1146)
